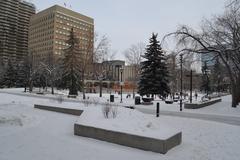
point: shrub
(109, 111)
(87, 102)
(60, 99)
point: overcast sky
(127, 22)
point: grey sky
(127, 22)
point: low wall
(75, 112)
(201, 105)
(135, 141)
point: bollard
(157, 112)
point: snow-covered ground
(28, 133)
(222, 108)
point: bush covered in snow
(109, 111)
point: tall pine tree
(10, 76)
(71, 64)
(154, 74)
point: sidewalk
(233, 120)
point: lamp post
(191, 76)
(191, 84)
(181, 61)
(101, 77)
(121, 82)
(100, 92)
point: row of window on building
(72, 19)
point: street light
(191, 83)
(181, 61)
(100, 92)
(101, 76)
(121, 82)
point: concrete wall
(144, 143)
(201, 105)
(60, 110)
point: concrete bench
(145, 143)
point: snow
(28, 133)
(127, 121)
(221, 108)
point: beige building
(50, 29)
(130, 73)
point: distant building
(110, 73)
(50, 29)
(209, 59)
(130, 73)
(218, 77)
(112, 69)
(14, 24)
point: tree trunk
(83, 85)
(133, 92)
(100, 92)
(30, 86)
(238, 89)
(234, 96)
(52, 86)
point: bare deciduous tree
(101, 48)
(134, 53)
(52, 73)
(221, 36)
(30, 71)
(133, 58)
(86, 58)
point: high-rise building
(14, 24)
(50, 29)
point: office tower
(50, 29)
(14, 23)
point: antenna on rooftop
(66, 5)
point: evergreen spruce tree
(154, 74)
(71, 65)
(2, 72)
(10, 76)
(20, 75)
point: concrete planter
(60, 110)
(72, 96)
(147, 100)
(201, 105)
(135, 141)
(169, 101)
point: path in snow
(233, 120)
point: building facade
(50, 29)
(14, 23)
